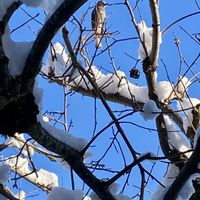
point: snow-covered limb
(191, 115)
(156, 40)
(44, 37)
(65, 137)
(20, 143)
(16, 58)
(146, 40)
(175, 139)
(116, 88)
(41, 178)
(150, 110)
(60, 193)
(6, 194)
(49, 6)
(73, 158)
(189, 169)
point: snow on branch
(16, 58)
(65, 137)
(44, 37)
(44, 179)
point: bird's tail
(98, 42)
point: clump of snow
(164, 90)
(16, 58)
(187, 105)
(21, 195)
(48, 5)
(183, 84)
(65, 137)
(18, 142)
(60, 193)
(95, 73)
(188, 188)
(43, 177)
(45, 119)
(112, 82)
(113, 189)
(19, 164)
(58, 63)
(4, 5)
(172, 172)
(4, 173)
(174, 138)
(150, 110)
(118, 84)
(196, 137)
(32, 3)
(46, 178)
(146, 36)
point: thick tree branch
(6, 193)
(156, 33)
(190, 167)
(6, 81)
(50, 28)
(39, 134)
(179, 161)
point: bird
(98, 18)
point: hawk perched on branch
(98, 19)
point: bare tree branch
(73, 158)
(49, 29)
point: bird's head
(101, 4)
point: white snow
(21, 195)
(16, 58)
(59, 63)
(164, 90)
(19, 143)
(4, 173)
(113, 189)
(187, 189)
(151, 111)
(60, 193)
(187, 104)
(4, 5)
(118, 84)
(67, 138)
(146, 34)
(172, 172)
(21, 165)
(48, 5)
(174, 138)
(183, 84)
(47, 178)
(196, 137)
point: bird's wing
(94, 19)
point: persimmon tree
(143, 79)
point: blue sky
(81, 109)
